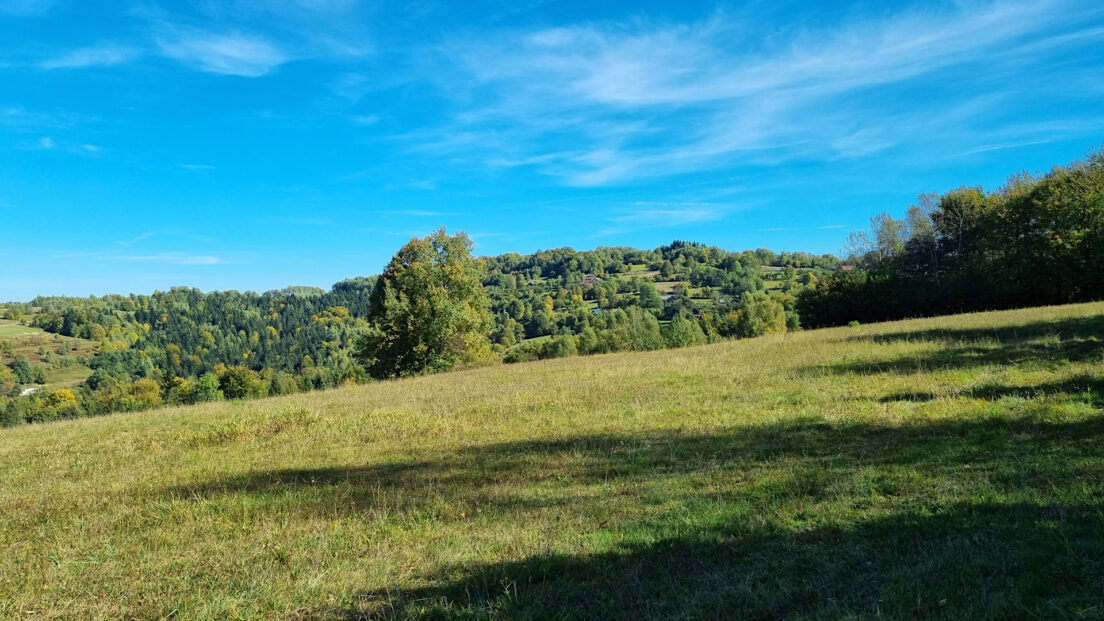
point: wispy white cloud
(106, 54)
(248, 38)
(411, 213)
(232, 37)
(408, 233)
(1006, 145)
(351, 86)
(693, 63)
(48, 143)
(670, 216)
(642, 215)
(170, 258)
(229, 53)
(174, 258)
(643, 99)
(34, 121)
(329, 6)
(25, 8)
(305, 220)
(138, 238)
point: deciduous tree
(429, 311)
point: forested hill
(184, 345)
(184, 332)
(1038, 240)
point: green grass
(66, 377)
(666, 287)
(776, 285)
(945, 468)
(9, 328)
(64, 370)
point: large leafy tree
(429, 310)
(649, 297)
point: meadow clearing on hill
(949, 467)
(61, 360)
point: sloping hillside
(49, 361)
(951, 467)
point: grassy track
(950, 468)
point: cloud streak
(652, 99)
(174, 258)
(101, 55)
(169, 258)
(253, 39)
(48, 143)
(25, 8)
(228, 53)
(643, 215)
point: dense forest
(1037, 240)
(185, 346)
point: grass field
(11, 328)
(945, 468)
(63, 368)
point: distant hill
(186, 346)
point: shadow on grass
(996, 561)
(803, 519)
(1081, 388)
(485, 475)
(1046, 342)
(1074, 328)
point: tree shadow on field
(986, 560)
(1031, 543)
(487, 476)
(1066, 340)
(1073, 328)
(1083, 388)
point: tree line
(185, 346)
(1037, 240)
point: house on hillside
(591, 280)
(847, 268)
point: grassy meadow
(63, 359)
(947, 468)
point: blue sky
(253, 144)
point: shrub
(238, 382)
